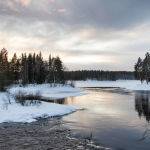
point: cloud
(25, 2)
(61, 10)
(117, 31)
(108, 14)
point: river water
(112, 117)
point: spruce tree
(146, 67)
(50, 69)
(58, 70)
(30, 68)
(139, 69)
(24, 69)
(14, 68)
(4, 69)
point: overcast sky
(87, 34)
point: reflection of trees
(29, 102)
(142, 105)
(66, 101)
(24, 102)
(69, 100)
(9, 99)
(145, 134)
(60, 101)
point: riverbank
(47, 91)
(132, 85)
(29, 124)
(45, 134)
(25, 103)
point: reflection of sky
(87, 34)
(112, 118)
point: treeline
(32, 68)
(29, 68)
(142, 68)
(99, 75)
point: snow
(46, 91)
(133, 85)
(10, 111)
(13, 111)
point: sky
(86, 34)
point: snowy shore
(45, 91)
(133, 85)
(13, 111)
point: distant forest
(99, 75)
(32, 68)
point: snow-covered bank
(46, 91)
(12, 111)
(133, 85)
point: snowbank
(133, 85)
(46, 91)
(10, 111)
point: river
(114, 118)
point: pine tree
(4, 69)
(50, 70)
(24, 69)
(146, 67)
(40, 69)
(30, 68)
(34, 67)
(14, 68)
(142, 68)
(139, 69)
(58, 70)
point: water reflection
(7, 100)
(39, 102)
(142, 104)
(65, 101)
(110, 114)
(29, 102)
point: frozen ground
(45, 134)
(133, 85)
(12, 110)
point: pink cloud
(51, 1)
(23, 2)
(61, 10)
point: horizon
(87, 35)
